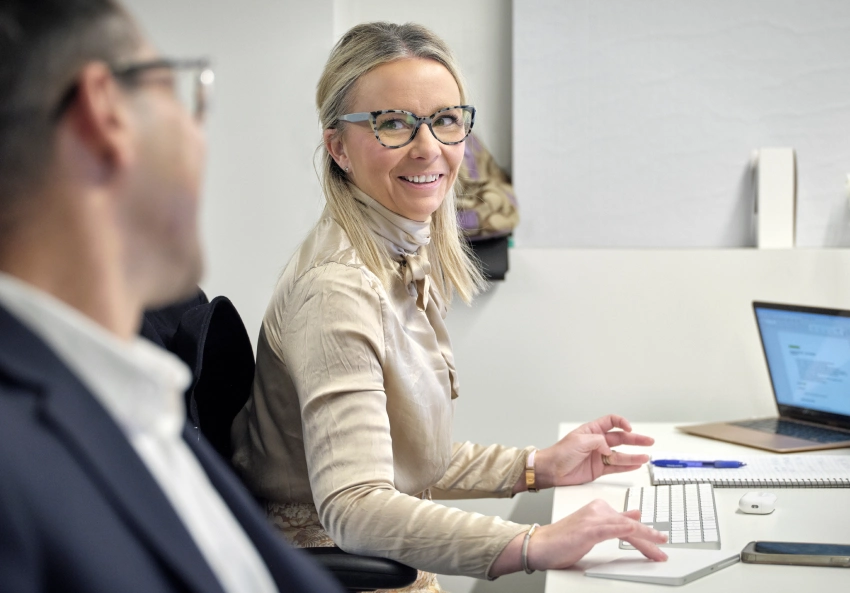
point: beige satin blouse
(352, 410)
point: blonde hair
(361, 49)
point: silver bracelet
(525, 548)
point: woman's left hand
(577, 458)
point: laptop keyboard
(796, 429)
(686, 513)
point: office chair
(211, 339)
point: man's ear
(336, 148)
(100, 116)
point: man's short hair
(43, 46)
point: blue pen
(689, 463)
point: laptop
(807, 350)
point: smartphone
(805, 554)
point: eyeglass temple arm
(356, 117)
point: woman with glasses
(348, 433)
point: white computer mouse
(757, 503)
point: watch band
(530, 476)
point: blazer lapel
(246, 510)
(103, 451)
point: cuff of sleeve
(510, 535)
(517, 470)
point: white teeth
(422, 178)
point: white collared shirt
(142, 386)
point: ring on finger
(606, 459)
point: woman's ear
(336, 148)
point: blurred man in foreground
(100, 172)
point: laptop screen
(808, 356)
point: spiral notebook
(767, 471)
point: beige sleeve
(334, 346)
(477, 471)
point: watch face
(530, 478)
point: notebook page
(827, 471)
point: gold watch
(530, 476)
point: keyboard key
(633, 501)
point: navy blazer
(79, 510)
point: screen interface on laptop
(808, 357)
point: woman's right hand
(565, 542)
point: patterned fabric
(299, 524)
(487, 206)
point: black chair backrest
(211, 339)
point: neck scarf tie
(407, 241)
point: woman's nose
(424, 144)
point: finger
(617, 458)
(594, 442)
(639, 531)
(628, 529)
(619, 437)
(648, 549)
(620, 458)
(612, 421)
(645, 538)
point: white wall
(635, 120)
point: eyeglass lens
(193, 88)
(449, 126)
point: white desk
(815, 515)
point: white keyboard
(686, 513)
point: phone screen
(803, 549)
